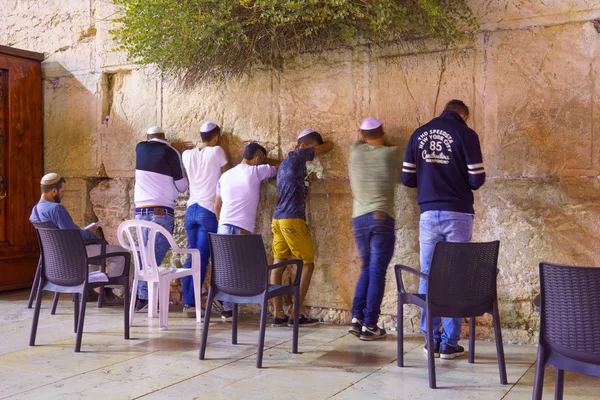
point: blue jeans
(441, 226)
(199, 222)
(375, 237)
(228, 229)
(161, 247)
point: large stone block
(112, 204)
(540, 102)
(77, 200)
(131, 102)
(70, 125)
(106, 54)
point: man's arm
(224, 144)
(474, 162)
(409, 167)
(272, 162)
(218, 206)
(323, 148)
(63, 220)
(178, 172)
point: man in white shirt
(238, 194)
(204, 166)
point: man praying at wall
(238, 193)
(291, 236)
(204, 166)
(374, 169)
(443, 160)
(50, 209)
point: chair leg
(264, 307)
(152, 299)
(296, 320)
(472, 340)
(234, 325)
(499, 345)
(83, 298)
(163, 298)
(126, 301)
(198, 296)
(207, 312)
(36, 313)
(34, 286)
(54, 303)
(400, 328)
(559, 385)
(101, 297)
(132, 301)
(430, 350)
(76, 302)
(540, 368)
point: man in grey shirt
(375, 168)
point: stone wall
(530, 77)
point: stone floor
(158, 364)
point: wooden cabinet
(21, 163)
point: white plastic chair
(139, 237)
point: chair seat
(97, 276)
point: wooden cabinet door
(21, 149)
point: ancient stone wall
(530, 77)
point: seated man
(49, 209)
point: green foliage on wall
(195, 39)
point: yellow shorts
(292, 237)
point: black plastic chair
(461, 284)
(569, 323)
(36, 279)
(64, 269)
(239, 274)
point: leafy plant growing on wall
(196, 39)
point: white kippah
(153, 130)
(305, 132)
(50, 179)
(369, 124)
(208, 126)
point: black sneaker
(227, 316)
(374, 333)
(355, 327)
(189, 311)
(449, 352)
(141, 305)
(279, 321)
(436, 350)
(303, 321)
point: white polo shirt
(239, 188)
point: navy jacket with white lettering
(443, 160)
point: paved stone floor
(158, 364)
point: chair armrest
(299, 263)
(96, 241)
(186, 251)
(126, 255)
(398, 268)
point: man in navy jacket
(443, 160)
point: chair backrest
(64, 256)
(238, 264)
(570, 310)
(139, 237)
(463, 275)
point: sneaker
(141, 306)
(355, 327)
(111, 299)
(372, 333)
(449, 352)
(227, 316)
(436, 350)
(303, 321)
(189, 311)
(279, 321)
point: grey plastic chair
(239, 274)
(64, 269)
(461, 284)
(569, 323)
(36, 279)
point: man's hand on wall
(182, 146)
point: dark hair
(251, 149)
(311, 138)
(57, 186)
(208, 136)
(458, 107)
(376, 133)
